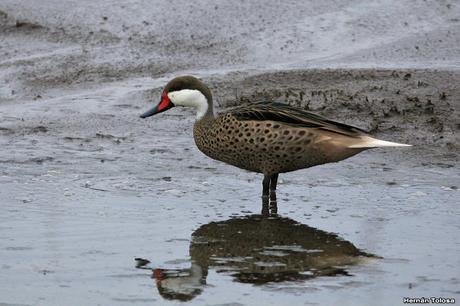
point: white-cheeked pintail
(264, 137)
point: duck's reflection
(258, 249)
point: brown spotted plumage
(265, 137)
(254, 137)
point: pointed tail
(369, 142)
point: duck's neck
(196, 99)
(206, 120)
(207, 115)
(204, 108)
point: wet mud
(84, 197)
(101, 207)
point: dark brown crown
(188, 82)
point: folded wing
(289, 115)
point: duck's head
(184, 91)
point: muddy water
(86, 189)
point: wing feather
(290, 115)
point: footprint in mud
(112, 138)
(257, 249)
(38, 129)
(37, 160)
(127, 106)
(6, 131)
(41, 160)
(160, 151)
(26, 130)
(74, 138)
(108, 136)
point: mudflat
(87, 186)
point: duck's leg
(273, 203)
(269, 204)
(266, 186)
(265, 207)
(273, 183)
(265, 196)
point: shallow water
(72, 225)
(86, 187)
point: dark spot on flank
(301, 133)
(267, 131)
(269, 124)
(276, 126)
(277, 148)
(307, 141)
(262, 139)
(240, 135)
(298, 149)
(286, 132)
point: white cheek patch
(192, 98)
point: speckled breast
(261, 146)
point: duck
(264, 137)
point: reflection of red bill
(158, 274)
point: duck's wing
(290, 115)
